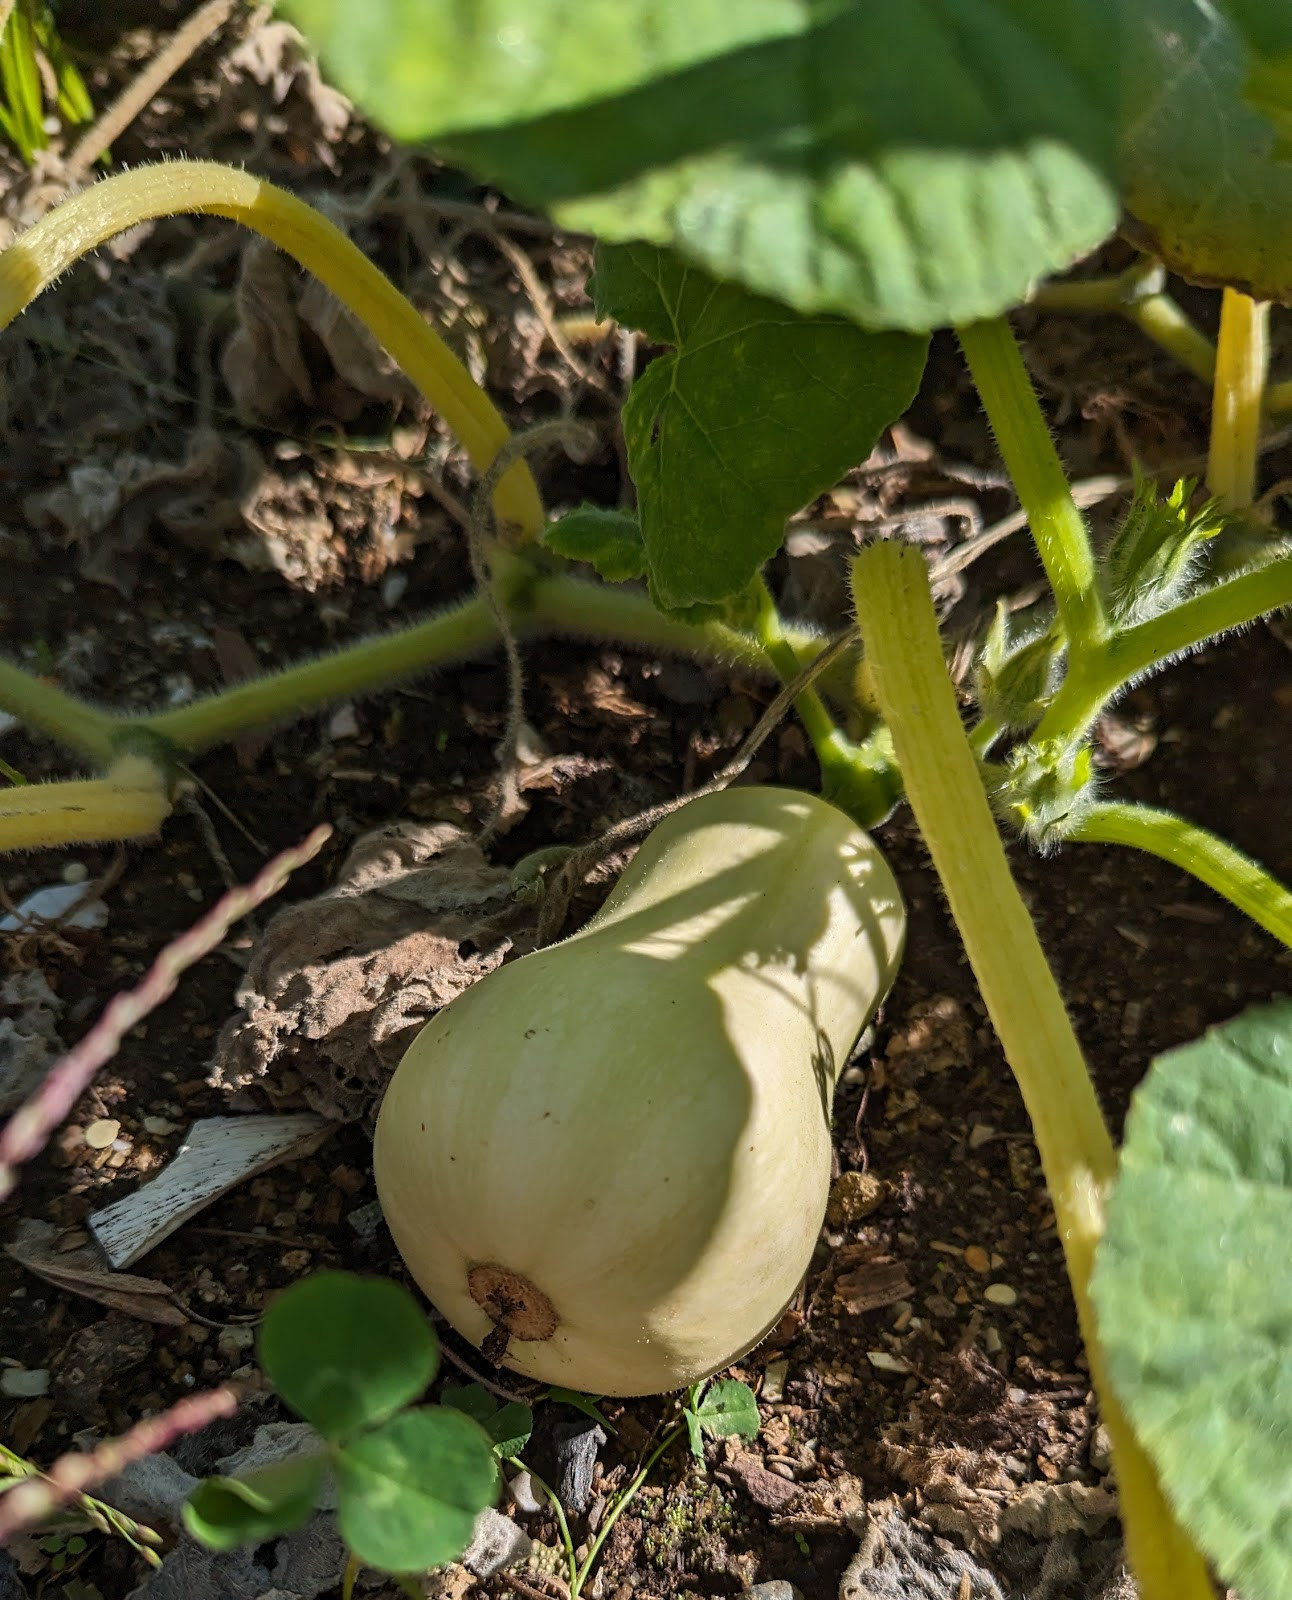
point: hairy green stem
(1238, 394)
(906, 667)
(565, 604)
(1233, 875)
(541, 604)
(463, 630)
(1096, 676)
(858, 778)
(1032, 461)
(782, 655)
(72, 722)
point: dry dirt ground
(203, 476)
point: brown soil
(933, 1355)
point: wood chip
(218, 1154)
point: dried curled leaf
(338, 984)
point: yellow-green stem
(1138, 294)
(1238, 396)
(1033, 464)
(130, 801)
(906, 669)
(450, 635)
(42, 705)
(1234, 876)
(88, 219)
(1097, 675)
(1278, 398)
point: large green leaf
(754, 412)
(346, 1351)
(1193, 1290)
(907, 164)
(409, 1491)
(1200, 171)
(1266, 25)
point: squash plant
(790, 198)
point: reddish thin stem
(28, 1130)
(32, 1500)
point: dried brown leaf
(81, 1271)
(338, 984)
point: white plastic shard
(218, 1154)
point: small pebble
(366, 1220)
(980, 1134)
(855, 1195)
(65, 903)
(523, 1494)
(774, 1381)
(344, 724)
(160, 1125)
(100, 1134)
(883, 1362)
(1000, 1294)
(1101, 1449)
(496, 1543)
(233, 1341)
(775, 1589)
(74, 872)
(22, 1383)
(977, 1258)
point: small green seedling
(723, 1409)
(718, 1409)
(350, 1356)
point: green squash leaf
(1199, 170)
(409, 1491)
(223, 1513)
(754, 412)
(1193, 1290)
(610, 541)
(345, 1351)
(1266, 27)
(905, 165)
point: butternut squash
(607, 1163)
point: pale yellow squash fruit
(610, 1159)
